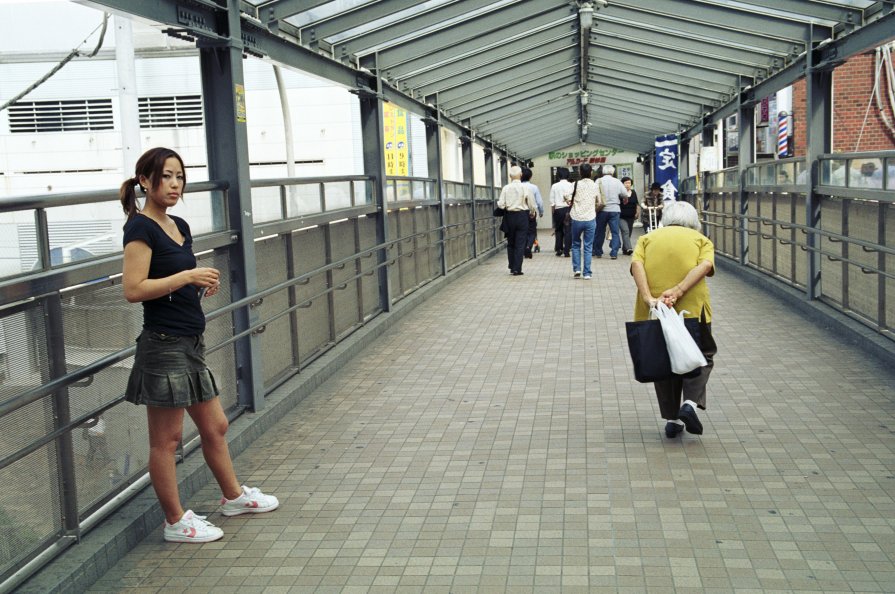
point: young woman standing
(169, 375)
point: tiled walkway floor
(495, 440)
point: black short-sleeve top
(180, 312)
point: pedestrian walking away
(533, 222)
(670, 265)
(583, 200)
(613, 192)
(562, 232)
(520, 206)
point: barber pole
(782, 135)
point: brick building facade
(853, 84)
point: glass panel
(338, 195)
(786, 173)
(205, 211)
(768, 175)
(302, 199)
(865, 173)
(833, 172)
(403, 189)
(752, 176)
(363, 192)
(266, 204)
(18, 243)
(731, 179)
(801, 172)
(890, 174)
(431, 193)
(390, 190)
(418, 190)
(84, 231)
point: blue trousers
(612, 219)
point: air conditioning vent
(182, 111)
(61, 116)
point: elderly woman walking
(670, 265)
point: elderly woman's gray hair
(608, 169)
(681, 214)
(515, 172)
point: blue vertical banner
(666, 165)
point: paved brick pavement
(495, 440)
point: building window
(61, 116)
(182, 111)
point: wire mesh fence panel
(345, 294)
(276, 339)
(314, 332)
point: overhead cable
(73, 54)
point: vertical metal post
(489, 182)
(881, 320)
(433, 153)
(65, 458)
(466, 153)
(746, 131)
(819, 101)
(504, 176)
(372, 134)
(223, 95)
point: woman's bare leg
(212, 425)
(165, 429)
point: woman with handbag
(670, 265)
(583, 214)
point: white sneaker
(192, 528)
(252, 501)
(577, 274)
(586, 277)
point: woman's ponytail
(128, 196)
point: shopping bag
(649, 352)
(683, 351)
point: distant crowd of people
(580, 211)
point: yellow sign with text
(396, 149)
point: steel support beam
(831, 54)
(434, 157)
(466, 156)
(819, 113)
(372, 136)
(745, 157)
(223, 95)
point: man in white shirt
(520, 206)
(613, 192)
(559, 207)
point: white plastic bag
(682, 349)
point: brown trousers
(669, 392)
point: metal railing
(843, 235)
(66, 332)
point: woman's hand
(670, 296)
(206, 277)
(649, 300)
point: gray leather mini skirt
(169, 371)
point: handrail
(17, 203)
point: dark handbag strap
(574, 189)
